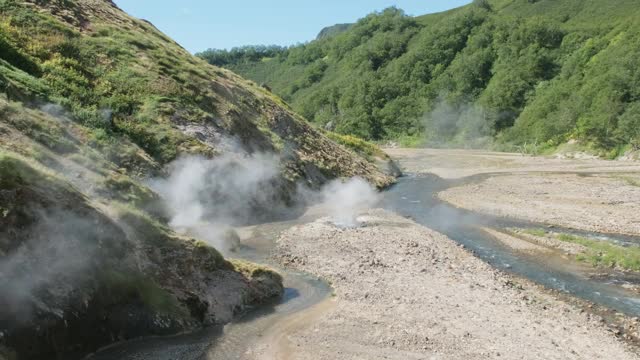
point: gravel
(403, 291)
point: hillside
(515, 74)
(96, 109)
(333, 30)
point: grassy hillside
(122, 79)
(509, 72)
(93, 104)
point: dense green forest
(506, 73)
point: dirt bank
(405, 292)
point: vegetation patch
(366, 149)
(17, 171)
(147, 229)
(603, 254)
(125, 288)
(123, 188)
(252, 270)
(598, 253)
(631, 181)
(535, 232)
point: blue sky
(201, 24)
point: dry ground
(590, 194)
(405, 292)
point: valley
(405, 291)
(423, 278)
(462, 184)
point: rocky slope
(92, 103)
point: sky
(201, 24)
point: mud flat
(403, 291)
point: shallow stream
(414, 196)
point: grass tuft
(603, 254)
(535, 232)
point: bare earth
(596, 203)
(453, 164)
(405, 292)
(590, 194)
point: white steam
(345, 200)
(205, 197)
(460, 125)
(60, 249)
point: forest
(506, 74)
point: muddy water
(302, 292)
(414, 197)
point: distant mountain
(514, 74)
(334, 30)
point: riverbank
(600, 202)
(585, 194)
(403, 291)
(458, 163)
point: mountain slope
(94, 104)
(519, 71)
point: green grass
(362, 147)
(123, 188)
(17, 171)
(598, 253)
(535, 232)
(412, 141)
(603, 254)
(102, 80)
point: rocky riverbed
(403, 291)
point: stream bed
(231, 341)
(414, 197)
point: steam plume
(344, 200)
(207, 196)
